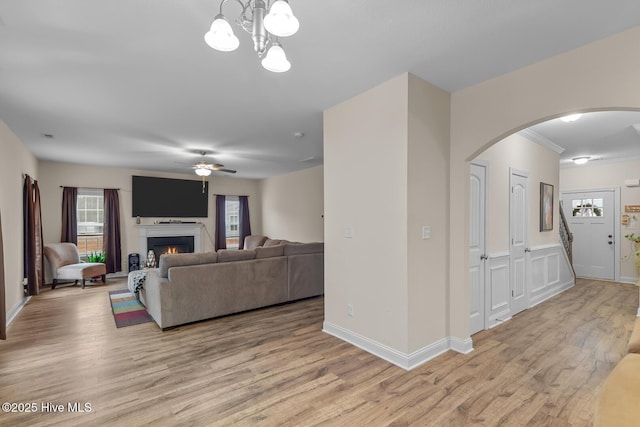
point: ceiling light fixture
(264, 30)
(571, 118)
(581, 160)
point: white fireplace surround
(168, 230)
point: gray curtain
(33, 247)
(112, 245)
(221, 230)
(69, 215)
(245, 223)
(3, 310)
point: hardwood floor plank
(275, 367)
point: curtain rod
(234, 195)
(91, 188)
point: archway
(597, 77)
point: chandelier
(264, 29)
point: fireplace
(146, 231)
(170, 244)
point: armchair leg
(104, 278)
(83, 280)
(55, 282)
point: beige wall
(542, 165)
(54, 175)
(15, 160)
(293, 205)
(428, 181)
(386, 172)
(593, 175)
(365, 181)
(601, 75)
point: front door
(519, 239)
(590, 216)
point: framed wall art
(546, 207)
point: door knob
(610, 242)
(484, 257)
(527, 250)
(610, 236)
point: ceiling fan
(204, 168)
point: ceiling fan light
(571, 118)
(276, 60)
(220, 36)
(202, 171)
(581, 160)
(280, 20)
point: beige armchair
(254, 241)
(66, 265)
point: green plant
(96, 257)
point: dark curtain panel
(3, 310)
(33, 250)
(221, 231)
(69, 215)
(245, 223)
(112, 246)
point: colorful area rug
(127, 310)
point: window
(232, 222)
(587, 207)
(90, 213)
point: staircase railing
(567, 237)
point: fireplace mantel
(167, 230)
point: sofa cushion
(618, 401)
(271, 242)
(634, 341)
(176, 260)
(303, 248)
(270, 252)
(228, 255)
(254, 241)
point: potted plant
(96, 257)
(636, 253)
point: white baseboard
(638, 312)
(629, 280)
(11, 314)
(464, 346)
(554, 291)
(398, 358)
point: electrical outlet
(350, 310)
(426, 232)
(348, 231)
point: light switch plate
(426, 232)
(348, 231)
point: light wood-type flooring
(275, 367)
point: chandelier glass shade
(264, 29)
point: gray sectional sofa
(191, 287)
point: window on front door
(90, 213)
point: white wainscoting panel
(550, 273)
(497, 288)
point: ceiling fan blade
(226, 170)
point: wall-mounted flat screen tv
(169, 198)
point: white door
(519, 239)
(591, 220)
(477, 255)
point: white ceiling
(604, 137)
(132, 83)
